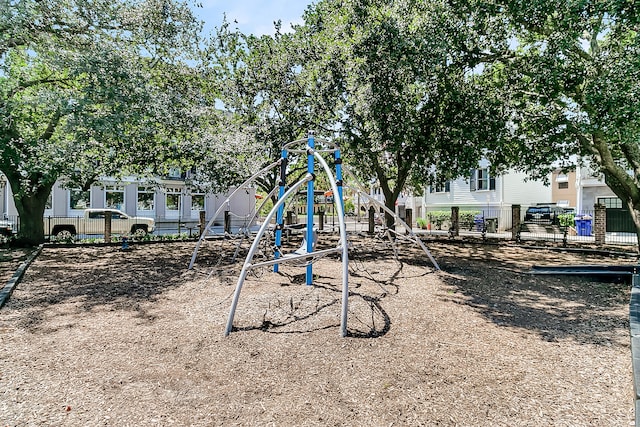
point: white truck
(93, 222)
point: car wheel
(64, 234)
(139, 232)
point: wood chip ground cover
(98, 336)
(10, 260)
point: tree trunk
(635, 215)
(390, 203)
(626, 188)
(30, 207)
(390, 193)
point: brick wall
(455, 220)
(515, 221)
(600, 224)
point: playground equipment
(307, 254)
(313, 155)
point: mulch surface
(10, 260)
(100, 336)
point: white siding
(517, 191)
(511, 188)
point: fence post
(408, 218)
(600, 224)
(372, 224)
(107, 226)
(203, 222)
(227, 222)
(454, 231)
(320, 220)
(515, 222)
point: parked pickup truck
(7, 228)
(93, 222)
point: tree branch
(25, 85)
(612, 170)
(51, 127)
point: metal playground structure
(307, 254)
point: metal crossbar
(291, 258)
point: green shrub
(421, 222)
(349, 206)
(467, 219)
(566, 220)
(437, 218)
(268, 205)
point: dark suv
(543, 214)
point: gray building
(169, 200)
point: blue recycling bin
(583, 227)
(478, 221)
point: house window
(563, 185)
(114, 197)
(146, 199)
(440, 188)
(197, 202)
(481, 180)
(173, 199)
(79, 199)
(175, 173)
(49, 204)
(610, 202)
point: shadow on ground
(105, 277)
(584, 309)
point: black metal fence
(567, 228)
(9, 225)
(494, 223)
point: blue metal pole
(339, 178)
(310, 196)
(280, 214)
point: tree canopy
(392, 81)
(572, 86)
(90, 88)
(415, 91)
(403, 78)
(260, 84)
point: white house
(169, 200)
(492, 196)
(483, 191)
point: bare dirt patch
(98, 336)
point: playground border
(6, 291)
(634, 332)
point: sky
(252, 16)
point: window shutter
(447, 186)
(472, 180)
(431, 188)
(492, 183)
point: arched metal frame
(203, 235)
(278, 208)
(413, 236)
(336, 183)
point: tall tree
(258, 83)
(403, 77)
(89, 88)
(573, 85)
